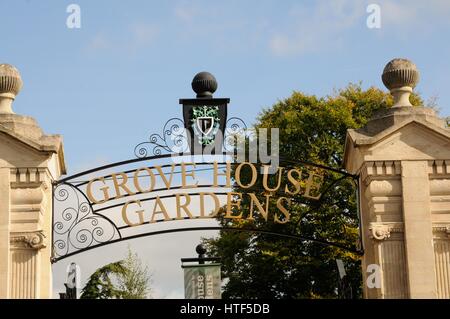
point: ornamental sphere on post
(400, 76)
(204, 84)
(10, 85)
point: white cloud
(185, 12)
(135, 37)
(397, 13)
(413, 14)
(143, 34)
(305, 27)
(311, 28)
(98, 42)
(324, 25)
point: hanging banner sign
(202, 281)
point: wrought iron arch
(79, 224)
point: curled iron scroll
(76, 226)
(235, 128)
(172, 140)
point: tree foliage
(261, 266)
(134, 283)
(101, 283)
(124, 279)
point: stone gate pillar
(403, 159)
(29, 162)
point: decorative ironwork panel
(75, 225)
(172, 140)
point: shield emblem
(205, 124)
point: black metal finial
(200, 249)
(204, 84)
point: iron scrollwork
(77, 226)
(172, 140)
(235, 127)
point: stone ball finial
(400, 76)
(204, 84)
(10, 85)
(400, 72)
(10, 80)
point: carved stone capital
(383, 231)
(380, 232)
(445, 229)
(34, 240)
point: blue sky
(109, 85)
